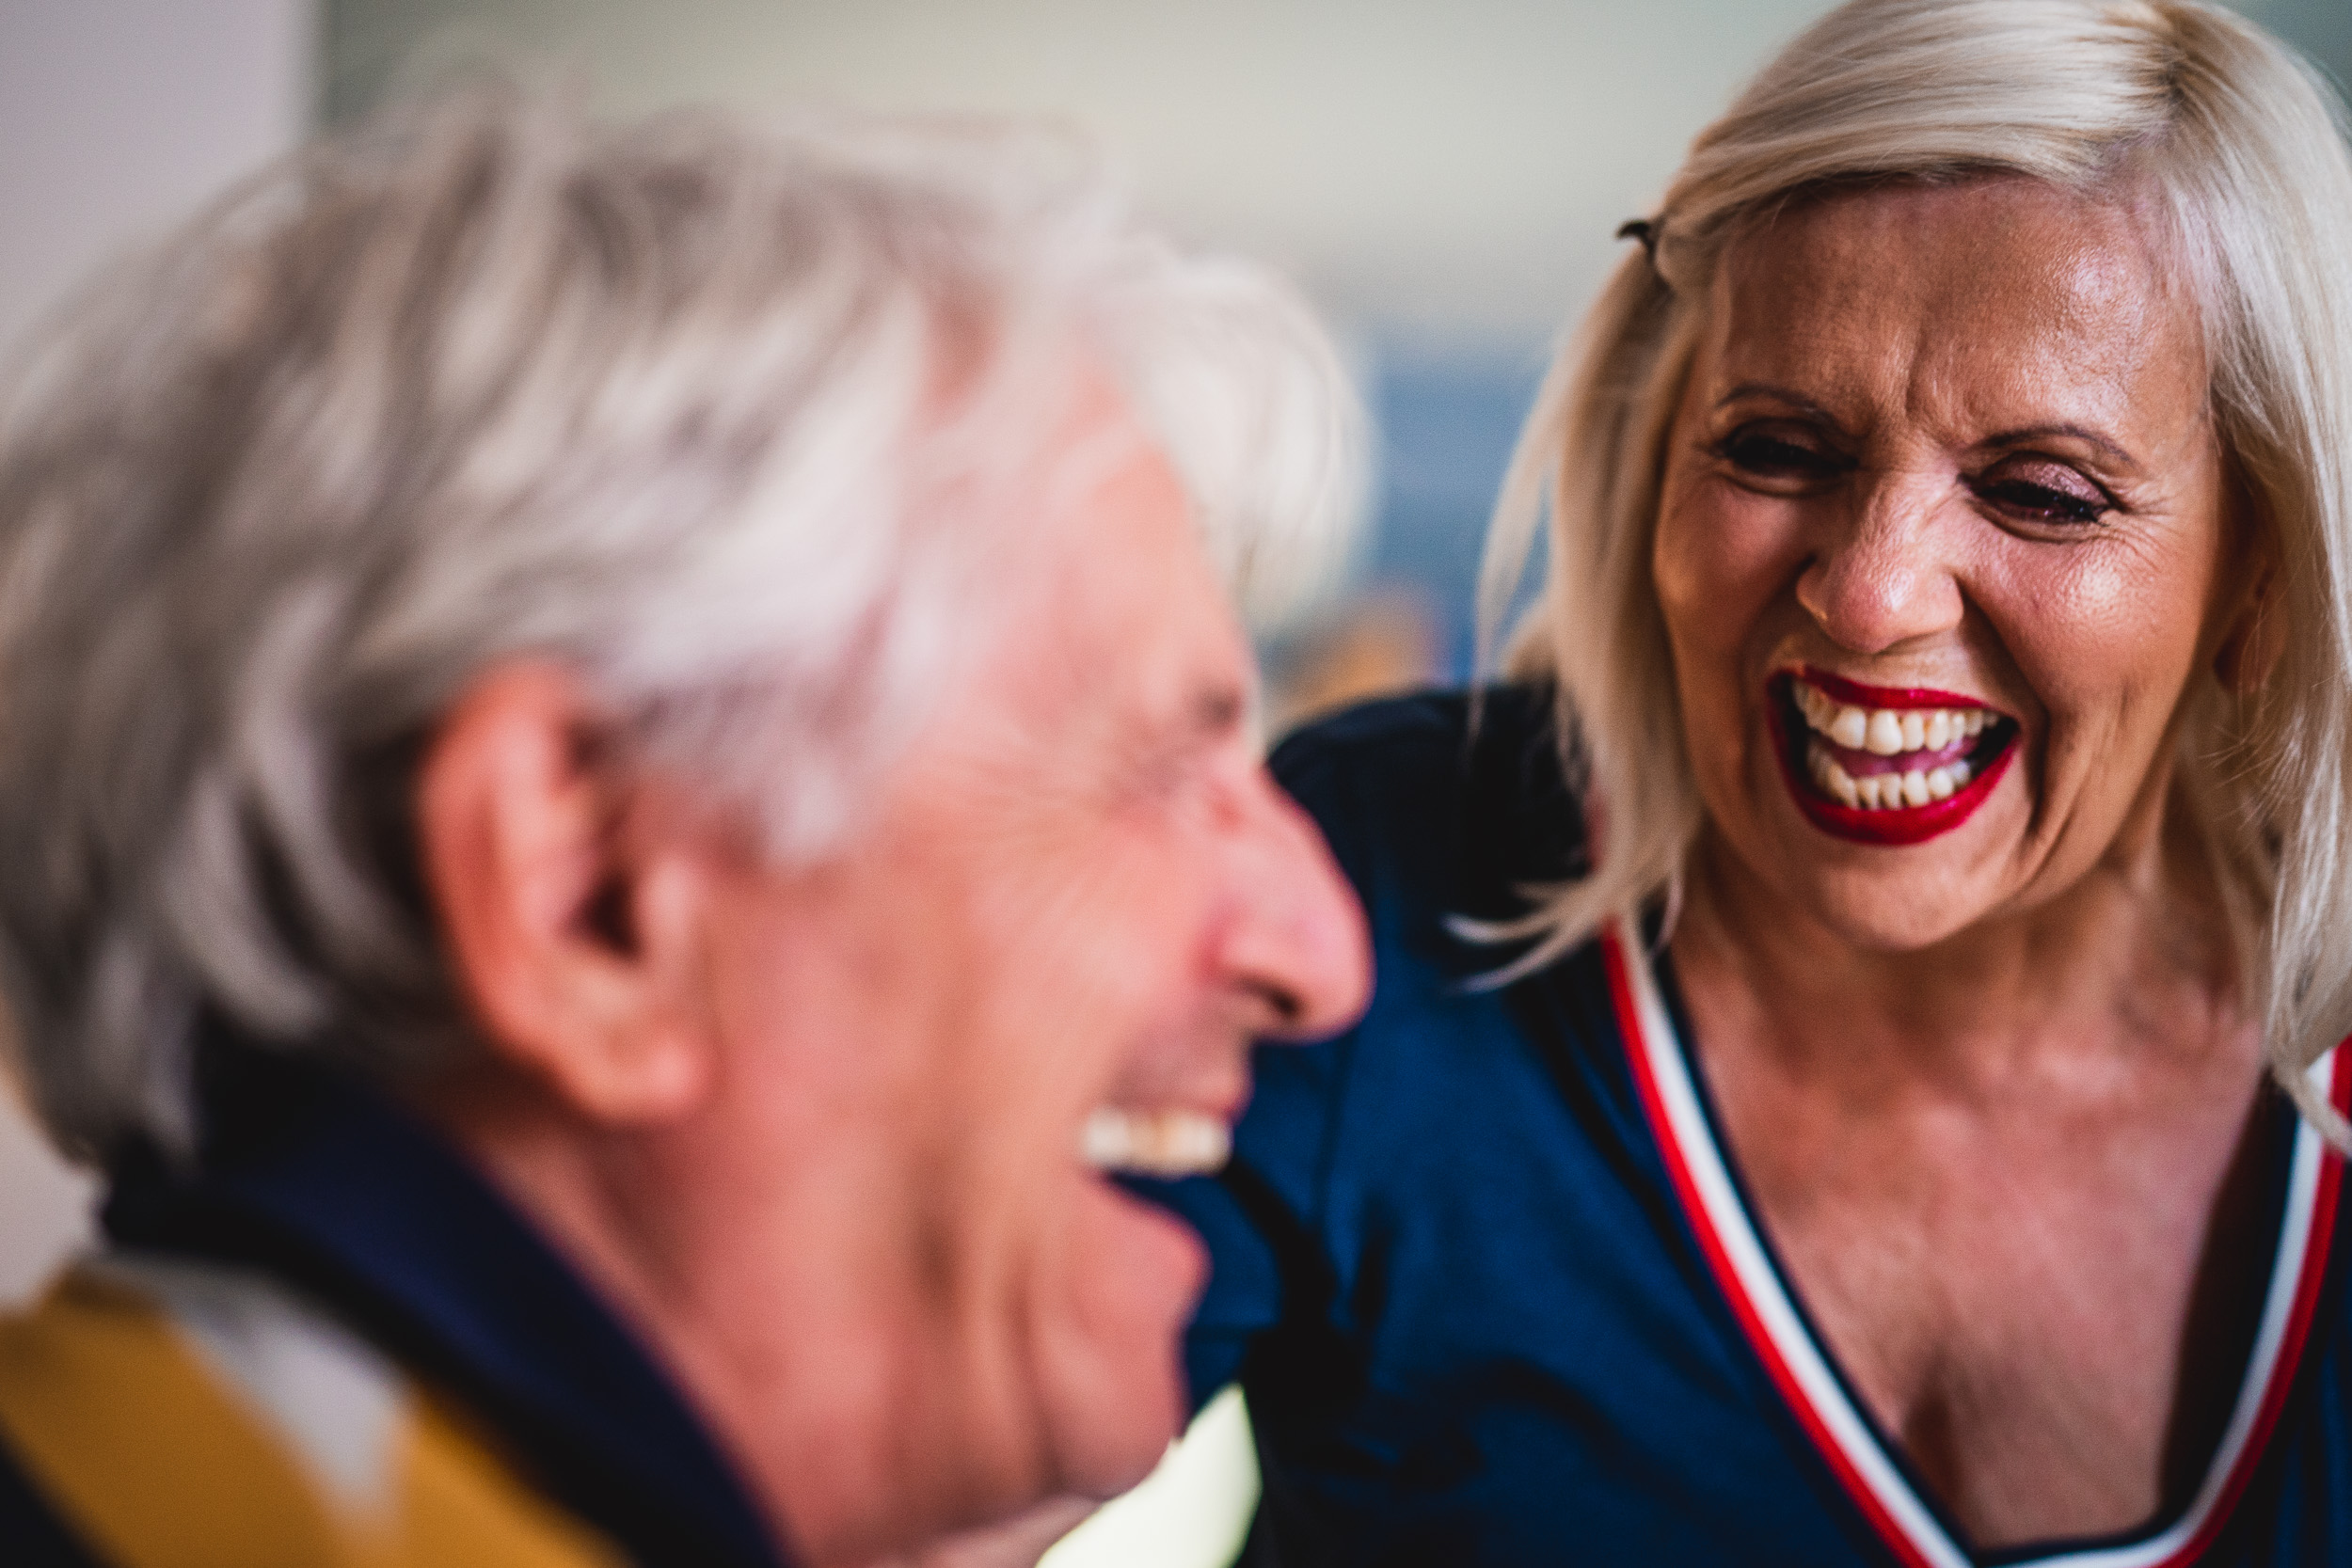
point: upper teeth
(1886, 731)
(1164, 1142)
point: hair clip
(1644, 231)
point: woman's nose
(1297, 946)
(1880, 577)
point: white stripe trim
(335, 1398)
(1769, 1298)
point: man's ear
(571, 935)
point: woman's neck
(2136, 954)
(2017, 1177)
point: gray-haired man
(623, 780)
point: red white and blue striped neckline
(1801, 1369)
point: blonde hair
(2240, 146)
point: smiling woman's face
(1943, 536)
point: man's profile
(625, 779)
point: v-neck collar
(1817, 1393)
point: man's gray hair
(720, 418)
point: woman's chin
(1865, 913)
(1884, 897)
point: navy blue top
(1488, 1279)
(336, 1191)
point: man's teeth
(1885, 791)
(1164, 1142)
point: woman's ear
(570, 931)
(2255, 641)
(2253, 637)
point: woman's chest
(2047, 1306)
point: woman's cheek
(2098, 640)
(1720, 558)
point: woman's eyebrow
(1798, 402)
(2120, 457)
(1779, 394)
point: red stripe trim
(2307, 1288)
(2309, 1279)
(1791, 1392)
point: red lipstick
(1888, 826)
(1858, 695)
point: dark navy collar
(337, 1191)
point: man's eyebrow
(1219, 709)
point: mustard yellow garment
(157, 1458)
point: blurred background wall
(1444, 179)
(115, 117)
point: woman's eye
(1768, 455)
(2050, 495)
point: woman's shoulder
(1451, 798)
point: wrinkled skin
(1992, 1090)
(817, 1133)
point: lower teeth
(1886, 791)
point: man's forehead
(1139, 621)
(1100, 447)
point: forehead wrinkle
(2082, 352)
(1839, 303)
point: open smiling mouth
(1166, 1142)
(1880, 765)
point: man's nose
(1880, 577)
(1297, 945)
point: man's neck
(816, 1421)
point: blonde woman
(1851, 1075)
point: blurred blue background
(1447, 423)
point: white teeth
(1164, 1142)
(1889, 732)
(1833, 779)
(1885, 791)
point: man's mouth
(1877, 764)
(1166, 1142)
